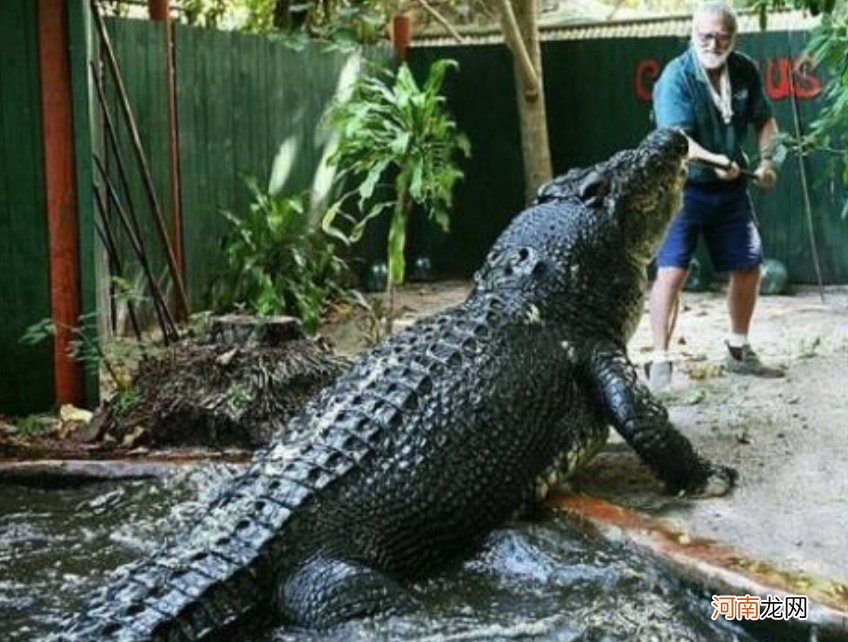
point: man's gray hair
(719, 9)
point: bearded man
(714, 95)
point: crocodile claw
(719, 482)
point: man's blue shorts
(724, 214)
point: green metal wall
(781, 211)
(246, 104)
(26, 372)
(594, 110)
(141, 53)
(481, 98)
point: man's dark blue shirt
(682, 99)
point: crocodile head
(612, 214)
(645, 186)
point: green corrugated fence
(247, 105)
(26, 372)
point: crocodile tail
(186, 597)
(198, 590)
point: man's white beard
(711, 61)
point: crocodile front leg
(326, 591)
(644, 424)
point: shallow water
(541, 580)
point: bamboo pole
(130, 219)
(166, 321)
(112, 137)
(112, 63)
(108, 239)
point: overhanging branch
(512, 36)
(441, 20)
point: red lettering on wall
(778, 84)
(647, 72)
(783, 77)
(806, 83)
(777, 78)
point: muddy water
(541, 580)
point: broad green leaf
(366, 188)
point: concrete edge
(711, 563)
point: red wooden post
(160, 11)
(60, 193)
(401, 34)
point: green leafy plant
(36, 425)
(125, 401)
(394, 132)
(117, 356)
(295, 21)
(276, 263)
(84, 347)
(829, 48)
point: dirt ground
(788, 438)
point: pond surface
(541, 580)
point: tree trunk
(286, 17)
(521, 32)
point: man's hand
(731, 172)
(766, 175)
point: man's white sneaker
(745, 361)
(659, 376)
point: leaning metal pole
(805, 190)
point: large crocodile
(438, 435)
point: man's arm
(696, 152)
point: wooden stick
(108, 238)
(133, 230)
(112, 63)
(166, 321)
(112, 138)
(532, 84)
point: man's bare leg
(742, 298)
(664, 294)
(741, 301)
